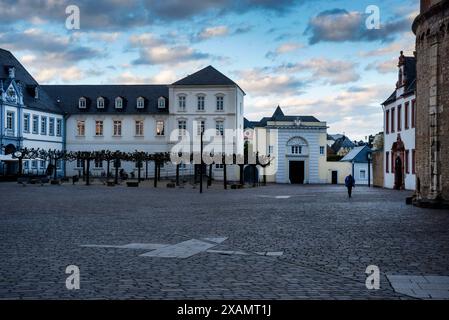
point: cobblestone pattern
(327, 242)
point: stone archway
(398, 156)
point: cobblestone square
(273, 242)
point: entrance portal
(297, 172)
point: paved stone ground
(327, 242)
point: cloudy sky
(311, 57)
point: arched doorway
(251, 175)
(398, 160)
(297, 157)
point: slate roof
(28, 83)
(358, 155)
(343, 142)
(410, 71)
(279, 116)
(68, 97)
(208, 76)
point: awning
(7, 158)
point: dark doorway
(398, 173)
(251, 175)
(297, 172)
(10, 166)
(334, 177)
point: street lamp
(370, 158)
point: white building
(296, 143)
(152, 118)
(399, 129)
(361, 165)
(28, 117)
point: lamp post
(370, 157)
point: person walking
(350, 183)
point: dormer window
(12, 72)
(140, 103)
(100, 103)
(161, 103)
(119, 103)
(36, 92)
(82, 103)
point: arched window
(100, 103)
(82, 103)
(297, 146)
(161, 103)
(119, 103)
(140, 103)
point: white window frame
(119, 103)
(99, 124)
(182, 103)
(44, 123)
(82, 103)
(201, 103)
(117, 128)
(140, 103)
(220, 103)
(161, 103)
(59, 127)
(100, 103)
(200, 127)
(219, 127)
(80, 124)
(139, 128)
(26, 122)
(35, 125)
(158, 133)
(182, 127)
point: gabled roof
(279, 116)
(358, 155)
(68, 97)
(343, 142)
(208, 76)
(410, 86)
(28, 83)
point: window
(117, 128)
(161, 103)
(201, 103)
(182, 127)
(79, 163)
(182, 103)
(413, 161)
(26, 123)
(413, 113)
(140, 103)
(26, 164)
(220, 103)
(118, 103)
(399, 118)
(296, 149)
(58, 164)
(392, 120)
(407, 158)
(406, 115)
(34, 164)
(98, 164)
(81, 128)
(362, 174)
(387, 121)
(387, 162)
(321, 150)
(160, 130)
(10, 122)
(51, 125)
(42, 164)
(59, 127)
(100, 103)
(219, 126)
(219, 166)
(200, 127)
(82, 103)
(270, 149)
(43, 125)
(99, 128)
(139, 128)
(35, 124)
